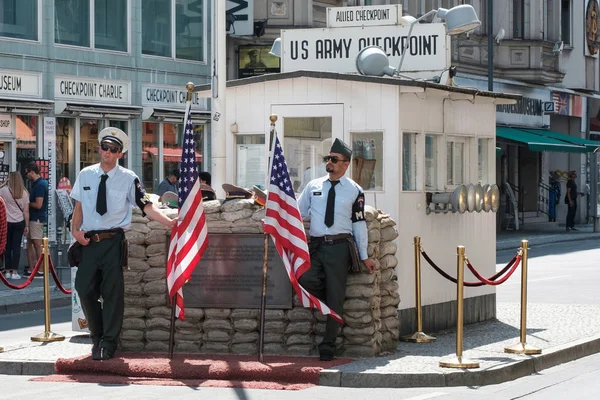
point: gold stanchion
(522, 347)
(459, 361)
(47, 335)
(1, 349)
(418, 336)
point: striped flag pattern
(284, 223)
(189, 237)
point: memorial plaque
(229, 275)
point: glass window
(518, 24)
(65, 142)
(251, 161)
(150, 160)
(307, 140)
(110, 24)
(19, 19)
(431, 162)
(455, 161)
(483, 155)
(565, 21)
(367, 160)
(189, 30)
(409, 161)
(72, 22)
(156, 27)
(88, 132)
(26, 126)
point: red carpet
(240, 371)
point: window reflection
(72, 22)
(150, 176)
(367, 160)
(88, 132)
(189, 31)
(110, 24)
(156, 27)
(19, 19)
(26, 134)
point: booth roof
(505, 98)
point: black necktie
(330, 204)
(101, 200)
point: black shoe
(568, 229)
(106, 354)
(574, 229)
(96, 352)
(325, 355)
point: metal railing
(514, 211)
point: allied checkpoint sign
(335, 49)
(389, 14)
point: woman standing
(16, 199)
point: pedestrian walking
(338, 231)
(16, 200)
(104, 195)
(571, 201)
(38, 215)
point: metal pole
(490, 21)
(522, 347)
(263, 299)
(47, 335)
(219, 165)
(172, 329)
(458, 361)
(418, 336)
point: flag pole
(188, 109)
(263, 299)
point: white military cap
(115, 136)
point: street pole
(490, 29)
(218, 85)
(593, 159)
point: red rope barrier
(494, 282)
(55, 276)
(29, 279)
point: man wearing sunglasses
(104, 195)
(335, 205)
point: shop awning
(538, 142)
(591, 145)
(169, 155)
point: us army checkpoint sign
(335, 49)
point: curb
(505, 245)
(528, 365)
(35, 305)
(26, 367)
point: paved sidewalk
(506, 240)
(562, 332)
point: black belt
(97, 236)
(331, 239)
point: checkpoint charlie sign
(338, 17)
(335, 49)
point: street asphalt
(562, 332)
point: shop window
(409, 161)
(431, 162)
(110, 24)
(251, 161)
(26, 126)
(176, 31)
(483, 157)
(307, 140)
(88, 132)
(65, 143)
(72, 22)
(150, 177)
(455, 161)
(367, 159)
(19, 19)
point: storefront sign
(50, 155)
(335, 49)
(19, 83)
(92, 90)
(170, 97)
(229, 275)
(341, 17)
(5, 124)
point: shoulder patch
(358, 208)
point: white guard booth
(409, 139)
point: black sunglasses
(333, 159)
(113, 149)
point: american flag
(189, 237)
(284, 223)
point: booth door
(306, 132)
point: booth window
(251, 160)
(174, 29)
(455, 161)
(409, 161)
(367, 159)
(483, 157)
(19, 19)
(431, 162)
(306, 141)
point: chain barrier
(29, 279)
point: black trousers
(14, 236)
(326, 279)
(100, 274)
(571, 215)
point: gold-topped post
(190, 91)
(418, 336)
(47, 335)
(522, 347)
(458, 361)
